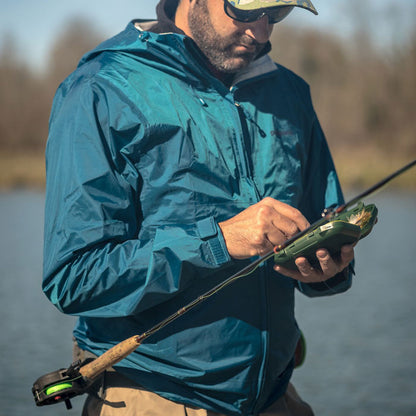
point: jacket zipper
(244, 148)
(243, 143)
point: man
(178, 151)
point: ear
(181, 15)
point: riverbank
(357, 170)
(361, 169)
(22, 171)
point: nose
(260, 30)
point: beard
(220, 51)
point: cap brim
(263, 4)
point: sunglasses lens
(237, 14)
(275, 14)
(278, 13)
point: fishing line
(65, 384)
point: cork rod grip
(110, 357)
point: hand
(329, 266)
(261, 227)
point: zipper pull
(249, 118)
(203, 102)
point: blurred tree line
(26, 96)
(365, 98)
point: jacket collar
(165, 12)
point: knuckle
(258, 239)
(292, 229)
(253, 252)
(267, 200)
(299, 218)
(297, 214)
(264, 211)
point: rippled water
(361, 358)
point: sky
(34, 24)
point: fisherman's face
(228, 44)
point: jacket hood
(173, 53)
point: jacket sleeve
(94, 263)
(322, 190)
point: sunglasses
(274, 14)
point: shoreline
(361, 170)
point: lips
(248, 48)
(248, 43)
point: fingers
(286, 218)
(347, 255)
(259, 228)
(270, 228)
(328, 266)
(278, 222)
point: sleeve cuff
(337, 284)
(210, 232)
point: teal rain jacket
(147, 152)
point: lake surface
(361, 358)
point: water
(35, 337)
(361, 358)
(362, 345)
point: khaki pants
(118, 396)
(115, 395)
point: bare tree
(78, 37)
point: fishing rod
(338, 226)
